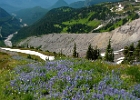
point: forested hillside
(66, 20)
(8, 24)
(31, 15)
(84, 20)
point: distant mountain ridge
(8, 23)
(83, 20)
(59, 3)
(14, 5)
(31, 15)
(92, 2)
(21, 4)
(120, 37)
(77, 4)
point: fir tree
(89, 53)
(137, 52)
(75, 54)
(109, 55)
(129, 53)
(125, 52)
(92, 54)
(96, 53)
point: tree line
(132, 53)
(94, 53)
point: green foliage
(29, 57)
(134, 72)
(34, 14)
(137, 52)
(8, 23)
(1, 43)
(66, 19)
(92, 54)
(89, 52)
(75, 54)
(79, 28)
(85, 73)
(118, 22)
(109, 55)
(28, 97)
(131, 53)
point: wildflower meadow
(70, 79)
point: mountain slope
(22, 4)
(31, 15)
(8, 23)
(66, 20)
(93, 2)
(59, 3)
(120, 37)
(78, 4)
(84, 20)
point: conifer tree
(109, 55)
(92, 54)
(125, 52)
(131, 52)
(137, 52)
(89, 53)
(96, 53)
(75, 54)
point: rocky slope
(120, 37)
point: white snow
(42, 56)
(98, 27)
(117, 52)
(120, 8)
(25, 25)
(121, 58)
(102, 54)
(20, 20)
(119, 62)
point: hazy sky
(31, 3)
(14, 5)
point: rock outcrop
(120, 37)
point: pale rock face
(120, 37)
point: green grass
(93, 23)
(128, 73)
(64, 30)
(7, 64)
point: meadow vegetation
(70, 78)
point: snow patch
(42, 56)
(98, 27)
(20, 20)
(119, 62)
